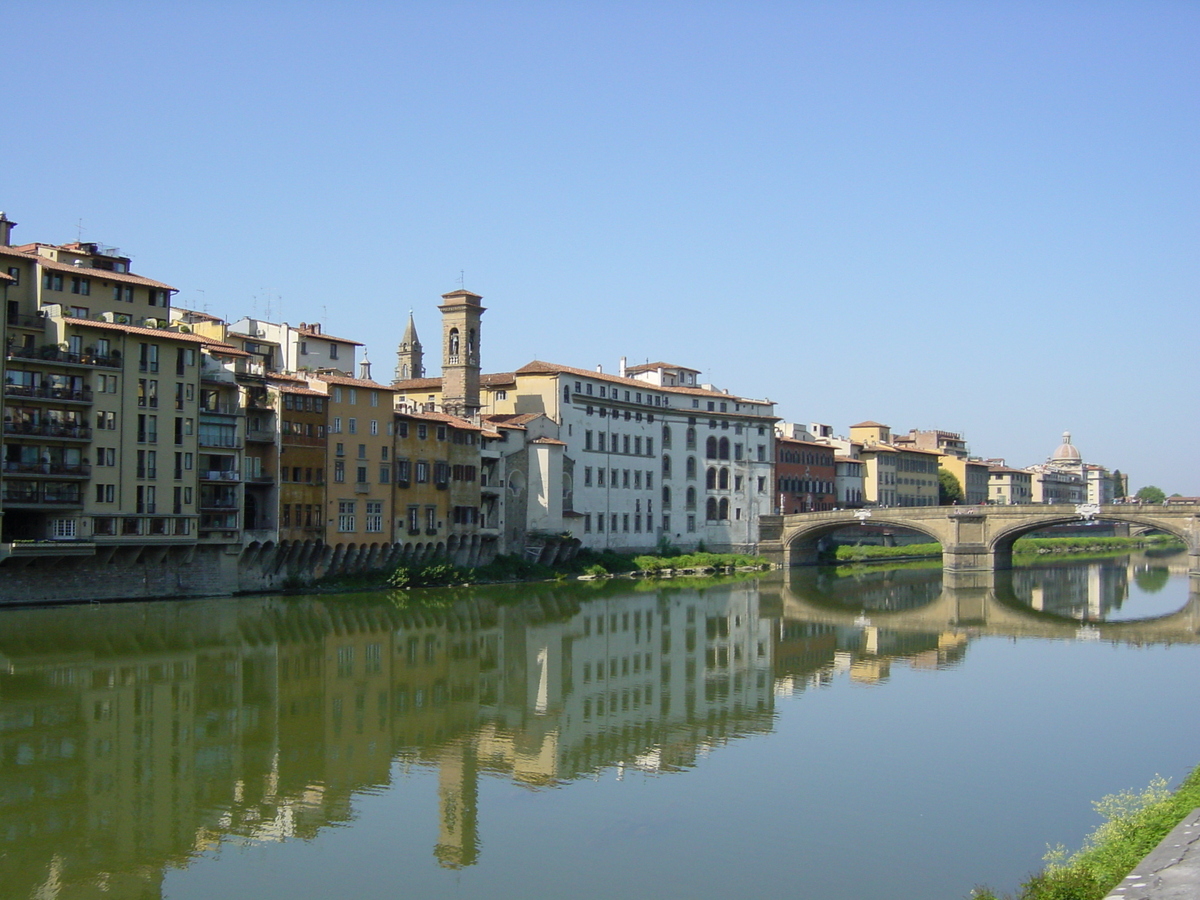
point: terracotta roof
(283, 376)
(921, 450)
(435, 384)
(224, 349)
(538, 367)
(102, 274)
(655, 366)
(870, 424)
(418, 384)
(320, 335)
(886, 448)
(4, 276)
(304, 391)
(491, 434)
(548, 440)
(352, 382)
(151, 332)
(17, 251)
(454, 421)
(513, 419)
(198, 315)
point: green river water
(873, 735)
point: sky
(980, 217)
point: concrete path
(1172, 869)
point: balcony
(220, 475)
(219, 440)
(261, 478)
(362, 487)
(221, 409)
(14, 469)
(58, 395)
(57, 430)
(260, 435)
(36, 495)
(58, 357)
(20, 320)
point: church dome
(1066, 452)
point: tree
(1118, 483)
(949, 490)
(1150, 494)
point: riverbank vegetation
(514, 568)
(1022, 547)
(1135, 822)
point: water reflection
(133, 737)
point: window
(374, 426)
(333, 351)
(336, 427)
(352, 426)
(346, 515)
(375, 515)
(339, 472)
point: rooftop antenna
(79, 232)
(461, 279)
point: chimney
(621, 369)
(600, 369)
(6, 227)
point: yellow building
(972, 475)
(358, 474)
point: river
(867, 735)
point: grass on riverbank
(1134, 824)
(514, 568)
(1022, 547)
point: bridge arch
(1002, 540)
(803, 545)
(973, 539)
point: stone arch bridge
(973, 538)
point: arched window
(691, 498)
(710, 509)
(723, 451)
(723, 483)
(666, 436)
(710, 479)
(452, 345)
(471, 344)
(690, 470)
(666, 497)
(566, 393)
(723, 509)
(691, 439)
(710, 448)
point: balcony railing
(220, 475)
(61, 470)
(221, 409)
(48, 393)
(261, 435)
(42, 354)
(40, 496)
(50, 429)
(20, 320)
(217, 440)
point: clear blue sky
(975, 216)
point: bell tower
(410, 361)
(461, 313)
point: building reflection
(134, 736)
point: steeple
(409, 358)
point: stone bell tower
(461, 313)
(410, 361)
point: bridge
(983, 603)
(973, 538)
